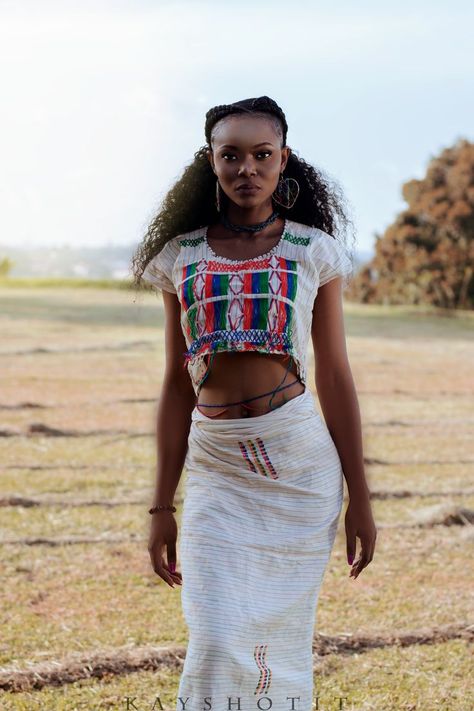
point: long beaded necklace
(249, 228)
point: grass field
(85, 620)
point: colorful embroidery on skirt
(267, 458)
(246, 457)
(264, 467)
(265, 672)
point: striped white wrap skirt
(262, 500)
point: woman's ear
(286, 154)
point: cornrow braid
(261, 104)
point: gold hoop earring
(286, 192)
(218, 199)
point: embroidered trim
(245, 455)
(257, 466)
(265, 679)
(270, 466)
(273, 262)
(222, 338)
(229, 260)
(304, 241)
(256, 458)
(192, 242)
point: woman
(240, 253)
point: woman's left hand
(359, 522)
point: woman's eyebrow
(264, 143)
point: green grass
(61, 282)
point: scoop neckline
(229, 260)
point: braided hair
(263, 106)
(190, 203)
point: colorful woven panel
(239, 305)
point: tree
(427, 255)
(6, 265)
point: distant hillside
(106, 262)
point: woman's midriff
(248, 380)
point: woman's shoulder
(328, 253)
(183, 239)
(315, 237)
(311, 233)
(191, 238)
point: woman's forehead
(244, 131)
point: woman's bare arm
(335, 385)
(340, 406)
(175, 405)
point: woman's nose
(247, 169)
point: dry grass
(89, 363)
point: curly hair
(190, 203)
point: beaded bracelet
(155, 509)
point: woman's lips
(252, 189)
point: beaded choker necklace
(249, 228)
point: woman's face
(246, 150)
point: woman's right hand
(164, 533)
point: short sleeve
(331, 258)
(158, 271)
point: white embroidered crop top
(262, 304)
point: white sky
(103, 103)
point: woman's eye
(258, 154)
